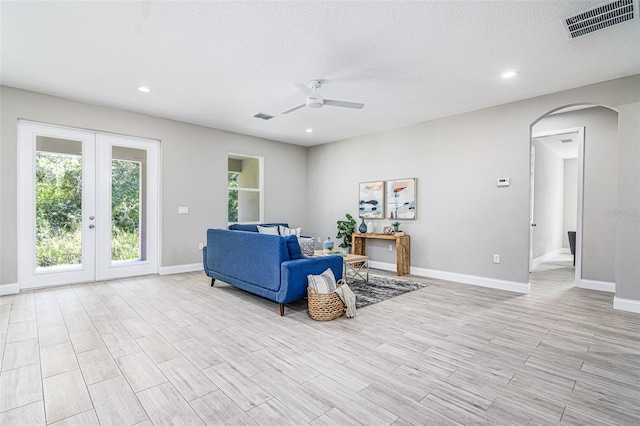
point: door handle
(91, 217)
(92, 226)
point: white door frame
(96, 150)
(28, 276)
(105, 269)
(578, 252)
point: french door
(87, 205)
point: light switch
(183, 210)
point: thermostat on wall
(503, 181)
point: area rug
(381, 288)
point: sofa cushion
(323, 283)
(271, 230)
(253, 227)
(294, 247)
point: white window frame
(260, 189)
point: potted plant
(396, 226)
(345, 230)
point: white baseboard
(494, 283)
(6, 289)
(179, 269)
(607, 286)
(538, 260)
(626, 305)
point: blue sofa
(262, 264)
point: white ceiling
(565, 150)
(218, 63)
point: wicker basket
(324, 307)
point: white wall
(570, 199)
(548, 203)
(193, 171)
(463, 218)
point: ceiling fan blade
(343, 104)
(304, 89)
(293, 109)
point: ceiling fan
(314, 100)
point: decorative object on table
(388, 230)
(371, 200)
(363, 227)
(401, 199)
(380, 288)
(345, 230)
(369, 227)
(307, 245)
(398, 233)
(327, 246)
(396, 226)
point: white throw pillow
(323, 283)
(271, 230)
(289, 231)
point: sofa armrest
(294, 274)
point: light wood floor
(173, 350)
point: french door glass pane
(58, 187)
(128, 226)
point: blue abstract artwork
(371, 200)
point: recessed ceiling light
(309, 130)
(144, 89)
(509, 74)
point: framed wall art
(401, 199)
(371, 205)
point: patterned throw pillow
(323, 283)
(271, 230)
(307, 245)
(289, 231)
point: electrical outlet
(390, 247)
(496, 258)
(319, 240)
(200, 246)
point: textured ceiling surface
(217, 63)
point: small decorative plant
(396, 225)
(345, 230)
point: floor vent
(263, 116)
(600, 17)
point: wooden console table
(403, 249)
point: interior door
(532, 223)
(87, 206)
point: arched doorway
(591, 133)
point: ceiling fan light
(314, 102)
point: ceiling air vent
(263, 116)
(600, 17)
